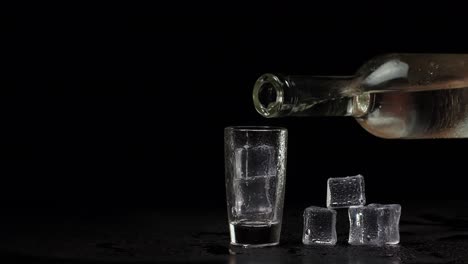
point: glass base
(254, 245)
(251, 235)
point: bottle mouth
(268, 95)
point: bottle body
(392, 96)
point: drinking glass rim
(256, 128)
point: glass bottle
(391, 96)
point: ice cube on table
(344, 192)
(319, 226)
(253, 161)
(375, 224)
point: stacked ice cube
(345, 192)
(374, 224)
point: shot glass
(255, 171)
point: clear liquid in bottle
(425, 114)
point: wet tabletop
(431, 232)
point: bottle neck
(277, 96)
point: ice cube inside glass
(375, 224)
(255, 160)
(319, 226)
(343, 192)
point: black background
(115, 104)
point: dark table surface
(431, 232)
